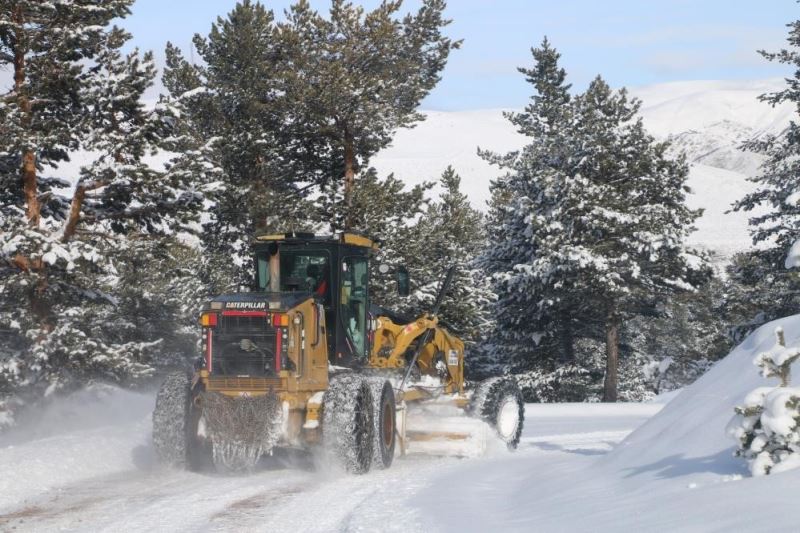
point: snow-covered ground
(579, 468)
(101, 476)
(676, 472)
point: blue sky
(629, 42)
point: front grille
(243, 345)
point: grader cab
(305, 360)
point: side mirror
(403, 281)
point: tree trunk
(74, 213)
(29, 180)
(30, 186)
(349, 177)
(612, 356)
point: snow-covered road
(101, 476)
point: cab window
(300, 270)
(306, 271)
(262, 265)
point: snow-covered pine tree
(119, 189)
(758, 290)
(765, 287)
(678, 340)
(450, 233)
(158, 296)
(618, 231)
(535, 319)
(767, 426)
(356, 77)
(234, 130)
(594, 220)
(72, 89)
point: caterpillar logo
(245, 305)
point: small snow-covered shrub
(767, 425)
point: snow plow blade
(441, 429)
(433, 435)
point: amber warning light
(208, 319)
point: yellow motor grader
(306, 361)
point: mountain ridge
(707, 120)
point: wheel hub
(508, 418)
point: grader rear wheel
(172, 421)
(348, 428)
(385, 420)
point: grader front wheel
(498, 401)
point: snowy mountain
(708, 120)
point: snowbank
(94, 432)
(691, 427)
(676, 472)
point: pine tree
(595, 223)
(451, 233)
(74, 89)
(764, 286)
(622, 219)
(235, 132)
(356, 77)
(527, 336)
(158, 297)
(765, 427)
(757, 292)
(679, 339)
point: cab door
(353, 305)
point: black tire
(172, 421)
(385, 416)
(348, 429)
(498, 401)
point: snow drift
(691, 428)
(676, 472)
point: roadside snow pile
(691, 429)
(100, 430)
(675, 472)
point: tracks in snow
(294, 497)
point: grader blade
(443, 430)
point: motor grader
(304, 360)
